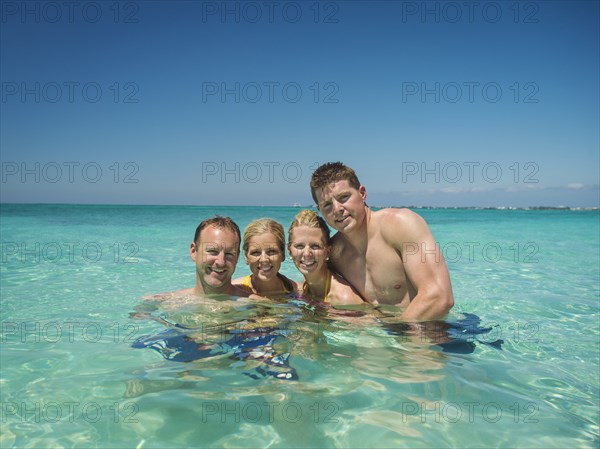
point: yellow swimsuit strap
(247, 283)
(327, 286)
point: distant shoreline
(566, 208)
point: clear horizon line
(312, 206)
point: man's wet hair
(332, 172)
(218, 222)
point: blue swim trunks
(253, 344)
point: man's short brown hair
(218, 222)
(332, 172)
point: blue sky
(235, 103)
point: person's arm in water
(423, 263)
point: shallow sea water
(71, 275)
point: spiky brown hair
(332, 172)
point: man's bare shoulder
(169, 295)
(395, 213)
(399, 225)
(237, 291)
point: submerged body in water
(256, 344)
(362, 377)
(256, 332)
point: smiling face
(216, 255)
(342, 206)
(308, 250)
(264, 256)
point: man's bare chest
(378, 274)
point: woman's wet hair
(311, 219)
(264, 226)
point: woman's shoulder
(243, 283)
(290, 285)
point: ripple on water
(368, 373)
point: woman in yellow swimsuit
(264, 250)
(308, 244)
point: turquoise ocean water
(71, 275)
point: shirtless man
(389, 256)
(215, 251)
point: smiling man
(215, 250)
(389, 256)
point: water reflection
(295, 340)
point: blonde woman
(309, 248)
(264, 251)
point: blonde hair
(264, 226)
(309, 218)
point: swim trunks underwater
(243, 345)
